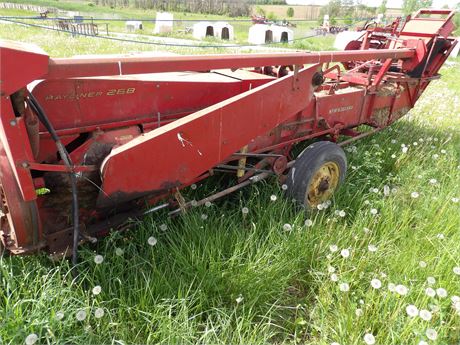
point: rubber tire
(308, 162)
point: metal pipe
(105, 66)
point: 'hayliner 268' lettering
(340, 109)
(91, 94)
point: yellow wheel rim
(323, 184)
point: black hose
(73, 179)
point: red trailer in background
(86, 143)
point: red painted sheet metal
(20, 64)
(201, 140)
(85, 67)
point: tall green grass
(218, 276)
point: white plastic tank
(163, 23)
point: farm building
(132, 25)
(163, 23)
(203, 29)
(262, 33)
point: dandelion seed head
(273, 197)
(422, 264)
(392, 287)
(320, 207)
(207, 204)
(344, 287)
(204, 216)
(425, 315)
(430, 292)
(59, 315)
(308, 222)
(81, 315)
(433, 181)
(342, 213)
(98, 259)
(194, 203)
(435, 156)
(393, 156)
(456, 270)
(440, 236)
(431, 334)
(422, 342)
(333, 248)
(366, 230)
(412, 310)
(152, 241)
(334, 277)
(98, 313)
(374, 211)
(441, 292)
(431, 280)
(401, 290)
(163, 227)
(331, 269)
(359, 312)
(119, 251)
(369, 339)
(376, 283)
(455, 200)
(245, 210)
(239, 299)
(284, 187)
(414, 195)
(31, 339)
(345, 253)
(193, 186)
(405, 149)
(287, 227)
(97, 290)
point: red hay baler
(87, 142)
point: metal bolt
(24, 164)
(13, 122)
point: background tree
(290, 12)
(410, 6)
(383, 7)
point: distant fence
(27, 7)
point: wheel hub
(323, 184)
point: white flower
(81, 315)
(344, 287)
(430, 292)
(119, 252)
(456, 270)
(239, 299)
(273, 197)
(392, 287)
(98, 313)
(31, 339)
(431, 334)
(369, 339)
(245, 210)
(412, 310)
(163, 227)
(372, 248)
(97, 290)
(98, 259)
(441, 292)
(284, 187)
(374, 211)
(152, 241)
(376, 283)
(359, 312)
(287, 227)
(422, 264)
(333, 248)
(425, 315)
(431, 280)
(308, 222)
(414, 195)
(401, 289)
(433, 181)
(331, 269)
(59, 315)
(345, 253)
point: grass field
(277, 274)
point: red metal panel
(20, 64)
(201, 140)
(85, 67)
